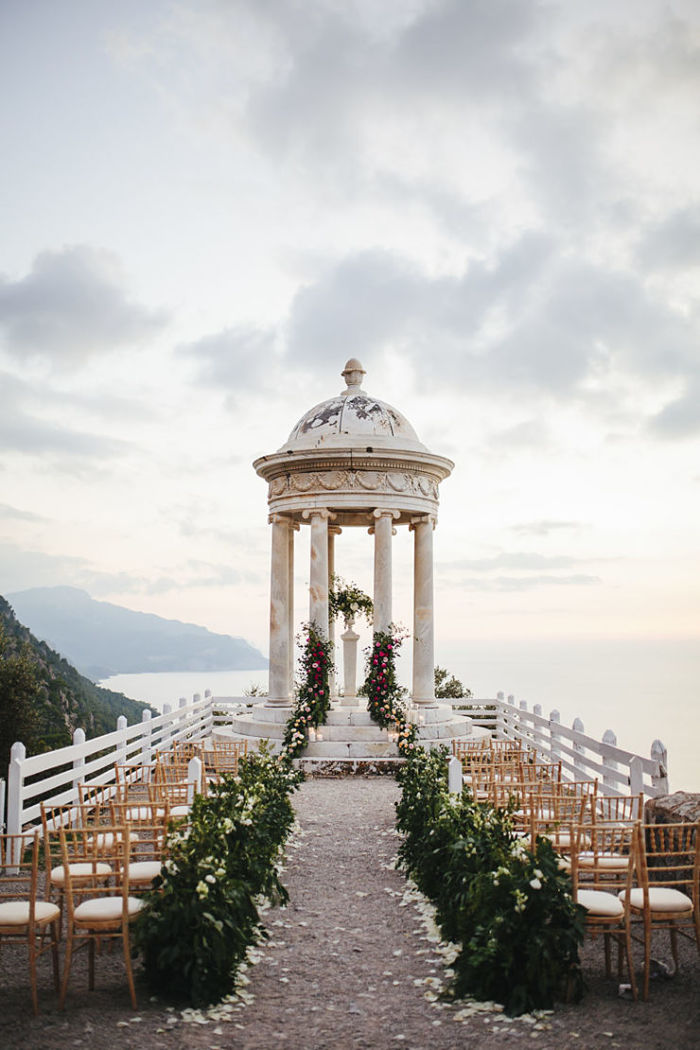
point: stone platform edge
(334, 768)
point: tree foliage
(447, 687)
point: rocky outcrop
(680, 807)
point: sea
(642, 690)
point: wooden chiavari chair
(24, 916)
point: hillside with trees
(43, 699)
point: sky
(207, 207)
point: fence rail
(583, 757)
(54, 777)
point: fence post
(78, 763)
(660, 779)
(454, 776)
(554, 737)
(610, 738)
(18, 754)
(578, 727)
(146, 748)
(121, 746)
(209, 717)
(194, 778)
(636, 775)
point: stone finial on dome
(352, 374)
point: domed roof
(353, 418)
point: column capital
(318, 512)
(423, 519)
(283, 519)
(380, 512)
(334, 530)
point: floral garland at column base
(314, 696)
(384, 692)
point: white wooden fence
(583, 757)
(54, 776)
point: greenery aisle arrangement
(313, 699)
(203, 912)
(384, 694)
(509, 909)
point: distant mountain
(43, 699)
(102, 639)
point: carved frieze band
(349, 480)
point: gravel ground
(349, 964)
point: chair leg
(128, 967)
(91, 964)
(66, 972)
(32, 971)
(54, 953)
(647, 957)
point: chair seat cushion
(598, 903)
(16, 913)
(661, 898)
(105, 909)
(80, 870)
(142, 813)
(105, 840)
(180, 811)
(603, 861)
(144, 870)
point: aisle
(347, 962)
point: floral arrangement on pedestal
(348, 601)
(313, 698)
(383, 692)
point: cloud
(673, 243)
(518, 560)
(8, 513)
(680, 418)
(532, 320)
(72, 305)
(544, 527)
(524, 583)
(21, 430)
(234, 359)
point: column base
(278, 704)
(348, 701)
(423, 703)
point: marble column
(293, 527)
(333, 531)
(279, 612)
(383, 531)
(318, 518)
(350, 640)
(423, 615)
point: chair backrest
(94, 849)
(619, 807)
(19, 869)
(670, 856)
(605, 856)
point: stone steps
(349, 734)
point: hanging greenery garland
(313, 698)
(383, 692)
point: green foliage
(383, 692)
(448, 688)
(348, 601)
(202, 914)
(313, 699)
(18, 691)
(509, 909)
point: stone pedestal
(350, 639)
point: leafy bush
(202, 914)
(510, 909)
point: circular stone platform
(349, 732)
